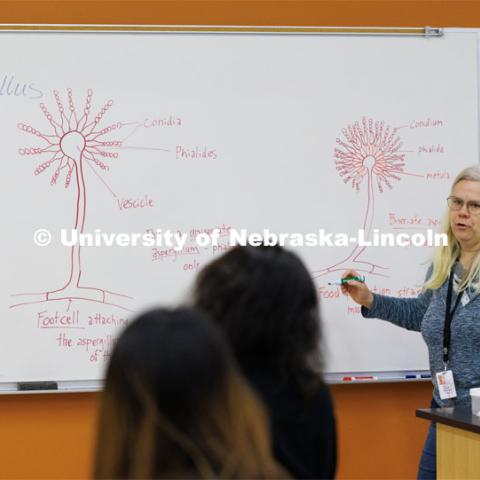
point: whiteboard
(184, 133)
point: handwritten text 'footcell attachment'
(177, 239)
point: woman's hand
(358, 291)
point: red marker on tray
(359, 377)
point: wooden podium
(458, 442)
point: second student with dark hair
(265, 301)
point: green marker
(345, 280)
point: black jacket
(304, 432)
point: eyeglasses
(455, 204)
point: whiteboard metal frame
(74, 386)
(93, 386)
(396, 376)
(195, 29)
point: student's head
(175, 406)
(265, 301)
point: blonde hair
(446, 256)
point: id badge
(446, 385)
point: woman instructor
(447, 312)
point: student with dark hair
(174, 406)
(265, 301)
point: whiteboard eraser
(32, 386)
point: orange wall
(461, 13)
(52, 436)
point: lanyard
(448, 318)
